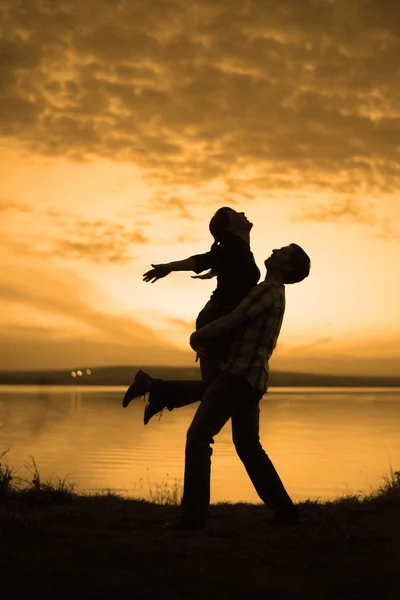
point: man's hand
(158, 272)
(217, 329)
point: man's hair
(298, 265)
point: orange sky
(123, 129)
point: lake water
(324, 442)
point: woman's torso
(237, 274)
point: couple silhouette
(236, 333)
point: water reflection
(324, 443)
(76, 401)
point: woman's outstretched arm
(161, 270)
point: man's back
(256, 339)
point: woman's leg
(178, 393)
(175, 393)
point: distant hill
(123, 375)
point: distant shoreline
(123, 375)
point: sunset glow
(124, 129)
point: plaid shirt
(255, 340)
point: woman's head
(227, 220)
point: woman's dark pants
(175, 393)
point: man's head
(290, 262)
(227, 220)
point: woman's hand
(158, 272)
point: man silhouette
(237, 390)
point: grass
(55, 542)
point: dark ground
(54, 544)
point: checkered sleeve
(257, 301)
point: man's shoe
(151, 409)
(139, 387)
(184, 524)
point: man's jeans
(229, 397)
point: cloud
(312, 345)
(302, 93)
(182, 323)
(71, 328)
(162, 201)
(41, 350)
(338, 364)
(350, 210)
(186, 239)
(97, 241)
(11, 206)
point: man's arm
(218, 328)
(257, 301)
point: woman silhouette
(231, 261)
